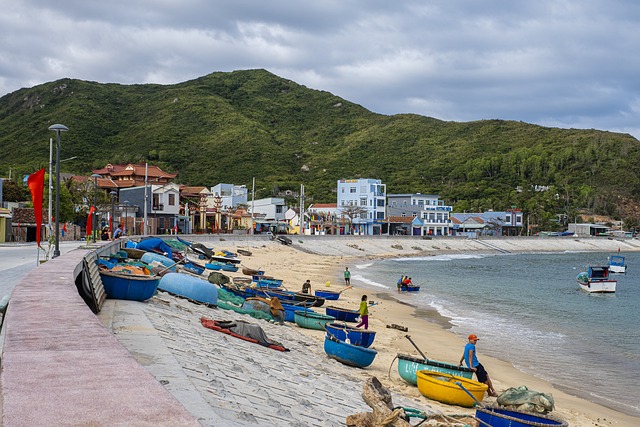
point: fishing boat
(327, 295)
(251, 272)
(312, 320)
(408, 366)
(134, 253)
(268, 283)
(295, 297)
(444, 388)
(219, 265)
(355, 336)
(290, 310)
(240, 290)
(193, 267)
(617, 264)
(244, 252)
(152, 257)
(409, 288)
(596, 280)
(343, 314)
(351, 355)
(500, 417)
(119, 285)
(190, 287)
(225, 257)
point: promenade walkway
(61, 367)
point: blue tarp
(155, 243)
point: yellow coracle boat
(443, 388)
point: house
(322, 218)
(131, 175)
(433, 214)
(269, 214)
(163, 209)
(361, 206)
(586, 229)
(490, 223)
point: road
(17, 259)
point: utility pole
(50, 185)
(253, 198)
(146, 197)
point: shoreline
(428, 328)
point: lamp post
(126, 206)
(113, 195)
(95, 177)
(57, 128)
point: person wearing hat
(470, 358)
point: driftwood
(377, 398)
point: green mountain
(230, 127)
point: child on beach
(347, 276)
(364, 313)
(470, 358)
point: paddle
(171, 266)
(414, 344)
(348, 287)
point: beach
(324, 259)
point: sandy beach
(323, 258)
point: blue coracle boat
(359, 337)
(150, 257)
(343, 314)
(328, 295)
(290, 310)
(351, 355)
(497, 417)
(408, 366)
(189, 287)
(129, 286)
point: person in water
(470, 358)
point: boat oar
(171, 266)
(478, 403)
(348, 287)
(414, 344)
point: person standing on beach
(471, 360)
(364, 313)
(347, 276)
(306, 287)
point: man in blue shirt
(471, 360)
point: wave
(363, 266)
(369, 282)
(443, 257)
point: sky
(557, 63)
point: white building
(369, 195)
(432, 212)
(231, 195)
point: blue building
(361, 206)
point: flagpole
(50, 185)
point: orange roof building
(131, 175)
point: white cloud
(557, 63)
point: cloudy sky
(551, 62)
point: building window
(279, 209)
(352, 190)
(172, 199)
(363, 201)
(156, 202)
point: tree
(14, 192)
(352, 212)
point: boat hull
(290, 310)
(408, 366)
(129, 287)
(328, 295)
(443, 388)
(151, 257)
(359, 337)
(190, 287)
(342, 314)
(348, 354)
(599, 287)
(409, 288)
(312, 320)
(498, 417)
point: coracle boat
(312, 320)
(354, 336)
(444, 388)
(500, 417)
(328, 295)
(410, 288)
(152, 257)
(219, 265)
(596, 280)
(244, 252)
(295, 297)
(408, 366)
(290, 311)
(190, 287)
(349, 354)
(120, 285)
(343, 314)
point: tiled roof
(132, 169)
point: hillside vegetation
(230, 127)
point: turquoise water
(528, 310)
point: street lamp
(95, 177)
(57, 128)
(126, 206)
(113, 195)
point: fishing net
(257, 310)
(523, 399)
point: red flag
(90, 221)
(36, 186)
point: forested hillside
(230, 127)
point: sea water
(528, 309)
